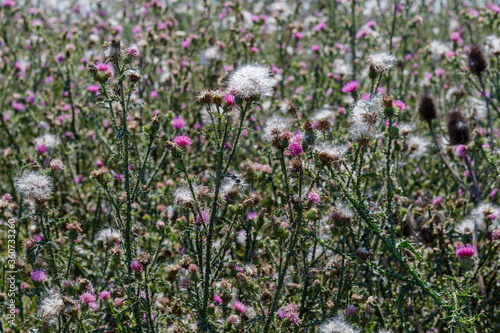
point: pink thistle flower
(60, 57)
(183, 141)
(461, 151)
(495, 235)
(314, 197)
(160, 224)
(217, 298)
(178, 123)
(230, 99)
(350, 86)
(93, 88)
(465, 251)
(455, 36)
(133, 51)
(293, 317)
(38, 275)
(105, 294)
(18, 106)
(252, 216)
(437, 201)
(350, 310)
(400, 104)
(41, 149)
(93, 306)
(205, 214)
(136, 266)
(294, 148)
(87, 298)
(102, 67)
(315, 48)
(240, 307)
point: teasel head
(427, 108)
(458, 129)
(477, 60)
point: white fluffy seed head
(183, 197)
(381, 61)
(365, 118)
(417, 146)
(51, 306)
(251, 81)
(274, 126)
(108, 235)
(35, 187)
(48, 140)
(337, 325)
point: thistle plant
(273, 166)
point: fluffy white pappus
(231, 185)
(35, 186)
(337, 325)
(323, 113)
(183, 196)
(108, 235)
(274, 126)
(210, 55)
(51, 306)
(365, 118)
(486, 216)
(335, 152)
(417, 146)
(251, 81)
(438, 49)
(492, 45)
(381, 61)
(48, 140)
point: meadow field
(302, 166)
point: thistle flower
(461, 151)
(337, 325)
(38, 275)
(239, 306)
(458, 130)
(36, 187)
(87, 298)
(183, 141)
(381, 61)
(136, 266)
(477, 61)
(51, 306)
(56, 165)
(251, 81)
(178, 123)
(205, 215)
(427, 108)
(287, 106)
(233, 320)
(350, 86)
(465, 251)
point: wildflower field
(327, 166)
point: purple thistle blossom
(465, 251)
(350, 86)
